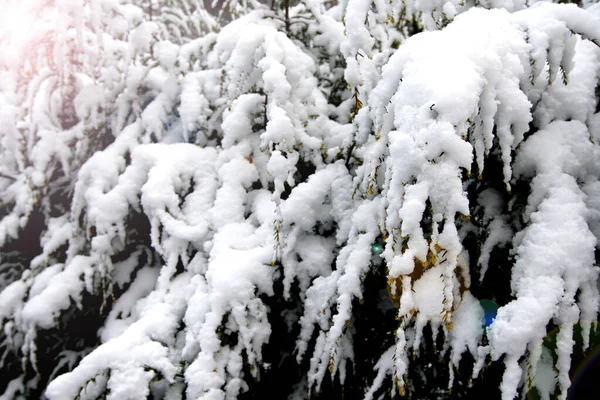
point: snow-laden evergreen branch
(445, 98)
(311, 193)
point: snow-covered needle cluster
(308, 199)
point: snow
(134, 357)
(14, 386)
(123, 312)
(12, 297)
(167, 53)
(249, 186)
(237, 267)
(467, 331)
(63, 288)
(344, 284)
(499, 232)
(432, 89)
(545, 287)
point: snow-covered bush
(313, 199)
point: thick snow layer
(211, 252)
(445, 99)
(242, 159)
(545, 286)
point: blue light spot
(490, 310)
(377, 248)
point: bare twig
(12, 178)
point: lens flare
(27, 30)
(16, 22)
(584, 379)
(585, 368)
(490, 310)
(377, 248)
